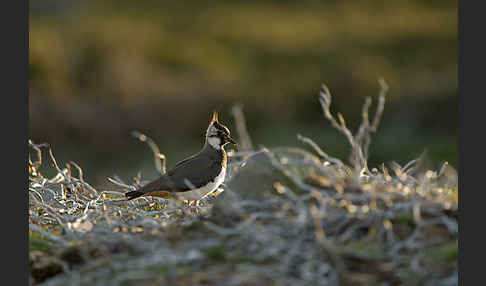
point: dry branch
(361, 141)
(245, 140)
(159, 158)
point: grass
(38, 242)
(353, 225)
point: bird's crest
(215, 117)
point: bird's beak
(229, 139)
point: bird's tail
(133, 194)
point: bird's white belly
(197, 194)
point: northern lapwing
(197, 175)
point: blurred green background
(100, 69)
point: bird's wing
(184, 160)
(164, 183)
(194, 172)
(160, 184)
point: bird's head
(218, 135)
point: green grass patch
(448, 252)
(38, 242)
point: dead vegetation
(286, 217)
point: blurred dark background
(100, 69)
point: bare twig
(325, 100)
(361, 141)
(319, 151)
(381, 104)
(55, 162)
(363, 135)
(121, 184)
(80, 171)
(243, 135)
(313, 145)
(159, 158)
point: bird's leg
(218, 190)
(192, 203)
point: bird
(197, 175)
